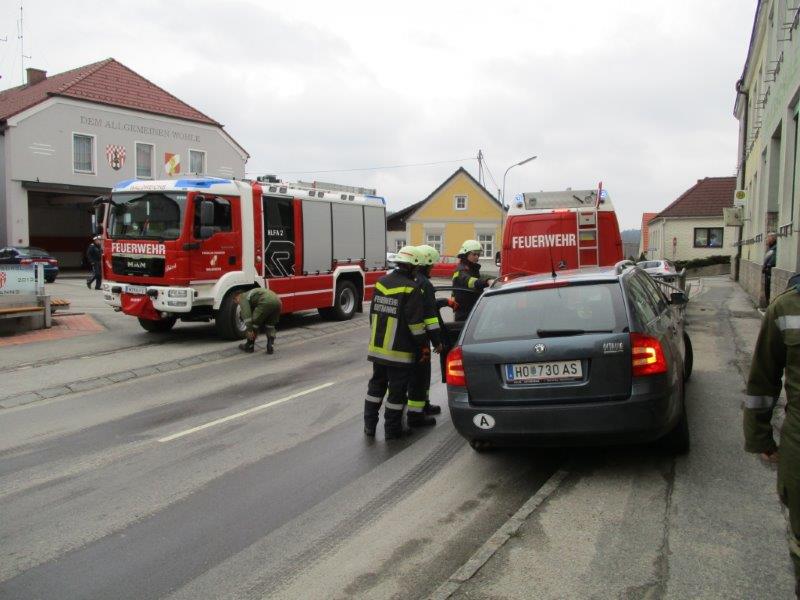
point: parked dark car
(592, 356)
(26, 255)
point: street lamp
(520, 163)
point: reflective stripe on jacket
(431, 313)
(397, 320)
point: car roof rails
(622, 265)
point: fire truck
(552, 231)
(182, 249)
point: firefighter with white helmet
(467, 277)
(420, 384)
(397, 342)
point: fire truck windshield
(152, 216)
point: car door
(657, 319)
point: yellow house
(459, 209)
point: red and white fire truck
(552, 231)
(181, 249)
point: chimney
(35, 75)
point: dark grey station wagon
(592, 356)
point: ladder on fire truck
(587, 234)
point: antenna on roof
(21, 38)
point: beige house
(692, 226)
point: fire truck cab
(182, 249)
(553, 231)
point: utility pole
(480, 167)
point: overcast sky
(637, 94)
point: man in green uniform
(259, 307)
(778, 351)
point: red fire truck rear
(181, 249)
(552, 231)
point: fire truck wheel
(228, 321)
(157, 326)
(344, 303)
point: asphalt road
(138, 491)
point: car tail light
(52, 261)
(454, 370)
(647, 355)
(25, 261)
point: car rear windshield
(535, 313)
(653, 264)
(33, 252)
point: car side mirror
(206, 213)
(678, 298)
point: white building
(767, 104)
(68, 138)
(692, 226)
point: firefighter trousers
(419, 386)
(789, 483)
(393, 379)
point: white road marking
(181, 434)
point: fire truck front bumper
(163, 299)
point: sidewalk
(633, 523)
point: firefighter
(467, 277)
(419, 387)
(259, 307)
(397, 342)
(777, 352)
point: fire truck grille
(129, 265)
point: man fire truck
(553, 231)
(182, 249)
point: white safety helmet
(407, 255)
(469, 246)
(428, 255)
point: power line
(441, 162)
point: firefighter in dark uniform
(777, 355)
(259, 307)
(420, 384)
(467, 276)
(397, 342)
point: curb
(92, 383)
(498, 539)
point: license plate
(565, 370)
(136, 289)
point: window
(222, 216)
(144, 161)
(435, 240)
(399, 244)
(642, 300)
(461, 203)
(197, 162)
(82, 153)
(708, 237)
(487, 244)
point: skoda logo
(539, 348)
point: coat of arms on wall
(172, 163)
(116, 156)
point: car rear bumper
(640, 418)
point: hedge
(715, 259)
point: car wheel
(677, 441)
(49, 279)
(228, 320)
(344, 303)
(159, 326)
(688, 358)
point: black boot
(270, 345)
(247, 346)
(420, 419)
(393, 426)
(432, 409)
(371, 410)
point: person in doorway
(776, 360)
(397, 342)
(94, 254)
(769, 262)
(419, 388)
(467, 277)
(259, 307)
